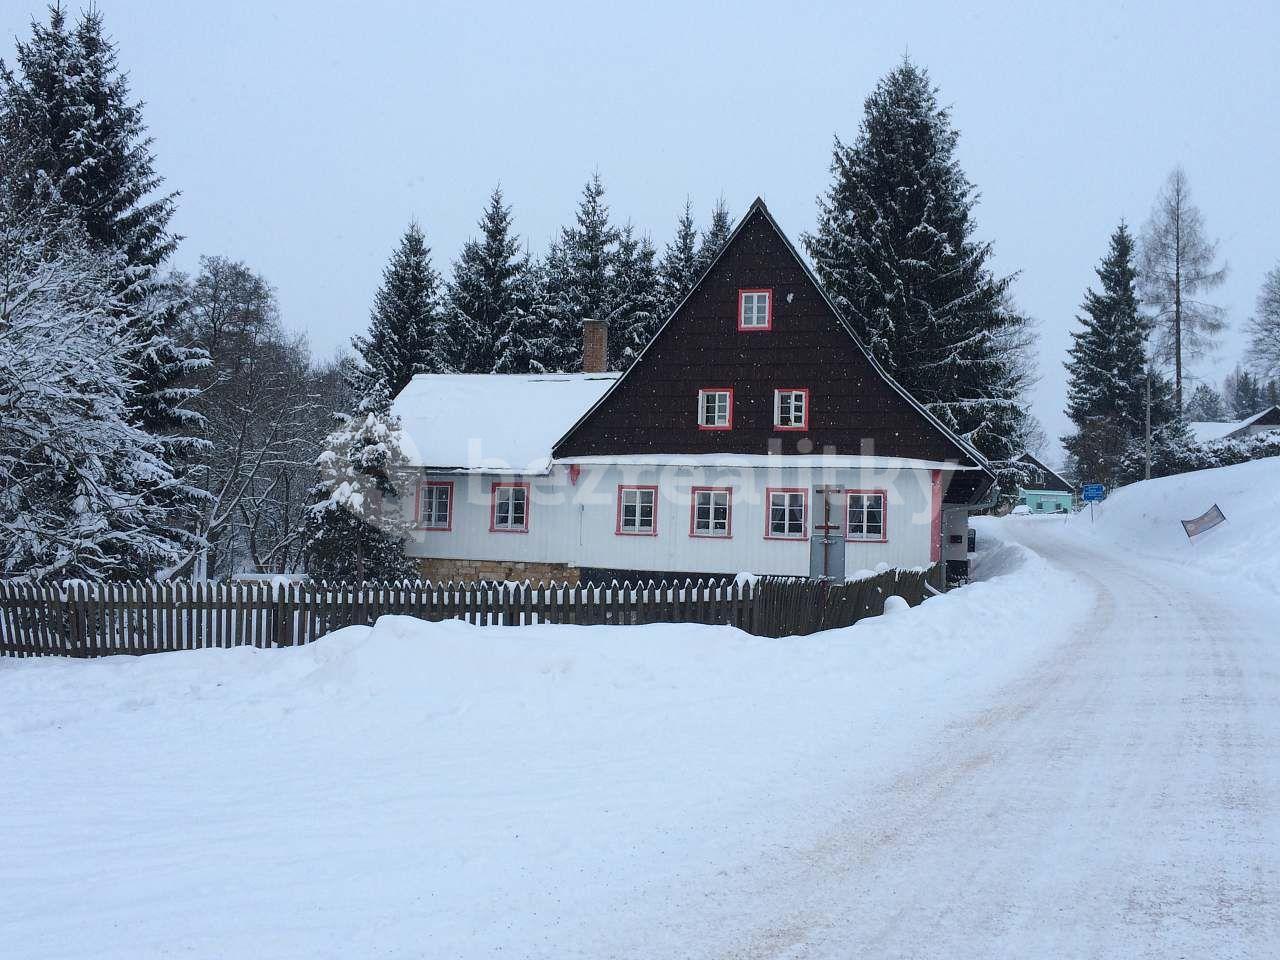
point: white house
(754, 433)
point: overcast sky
(304, 135)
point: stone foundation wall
(436, 569)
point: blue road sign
(1092, 492)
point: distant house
(1206, 431)
(754, 433)
(1053, 494)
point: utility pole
(1148, 425)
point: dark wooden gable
(1053, 481)
(854, 409)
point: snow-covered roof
(493, 423)
(1205, 430)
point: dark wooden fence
(101, 619)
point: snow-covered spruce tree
(357, 527)
(679, 266)
(525, 345)
(68, 104)
(1178, 265)
(638, 310)
(489, 299)
(407, 333)
(1264, 329)
(1245, 395)
(895, 249)
(83, 491)
(716, 234)
(1206, 404)
(579, 279)
(1107, 367)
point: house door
(826, 545)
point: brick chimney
(595, 346)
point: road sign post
(1092, 493)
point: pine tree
(1107, 366)
(357, 528)
(407, 333)
(579, 278)
(895, 249)
(679, 267)
(1206, 405)
(85, 140)
(715, 236)
(83, 491)
(489, 297)
(1244, 393)
(638, 309)
(525, 345)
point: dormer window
(791, 409)
(715, 408)
(755, 310)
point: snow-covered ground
(1075, 757)
(1144, 517)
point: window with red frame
(715, 409)
(712, 512)
(435, 506)
(788, 511)
(791, 409)
(755, 309)
(510, 508)
(637, 511)
(865, 516)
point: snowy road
(1118, 800)
(1075, 758)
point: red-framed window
(435, 505)
(715, 408)
(755, 309)
(711, 513)
(791, 408)
(866, 516)
(509, 508)
(637, 511)
(786, 514)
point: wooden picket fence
(78, 619)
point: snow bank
(1145, 518)
(443, 790)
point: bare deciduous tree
(265, 417)
(1177, 265)
(1264, 328)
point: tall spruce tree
(1206, 404)
(895, 248)
(407, 334)
(579, 278)
(489, 298)
(1107, 367)
(525, 345)
(716, 234)
(679, 267)
(85, 141)
(638, 307)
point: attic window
(715, 408)
(791, 409)
(755, 309)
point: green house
(1053, 495)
